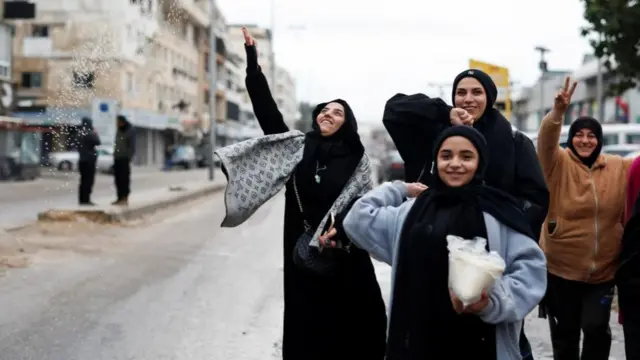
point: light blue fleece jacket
(375, 223)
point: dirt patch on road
(17, 248)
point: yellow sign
(500, 76)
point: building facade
(534, 101)
(7, 90)
(264, 40)
(143, 54)
(285, 96)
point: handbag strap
(295, 190)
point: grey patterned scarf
(258, 168)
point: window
(610, 139)
(31, 80)
(83, 79)
(129, 85)
(233, 111)
(40, 31)
(5, 70)
(633, 138)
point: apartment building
(204, 90)
(6, 75)
(280, 80)
(235, 41)
(143, 55)
(285, 96)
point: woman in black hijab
(427, 322)
(414, 122)
(341, 317)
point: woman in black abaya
(340, 317)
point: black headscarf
(497, 132)
(123, 123)
(339, 155)
(586, 122)
(86, 124)
(423, 322)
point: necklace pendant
(317, 177)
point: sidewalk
(140, 203)
(51, 173)
(21, 203)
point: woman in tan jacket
(582, 233)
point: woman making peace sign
(582, 232)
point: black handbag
(320, 261)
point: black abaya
(335, 318)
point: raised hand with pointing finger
(251, 50)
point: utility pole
(273, 48)
(542, 65)
(213, 72)
(600, 89)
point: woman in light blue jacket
(426, 320)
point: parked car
(184, 156)
(68, 160)
(391, 167)
(632, 155)
(621, 149)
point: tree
(614, 34)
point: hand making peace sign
(563, 97)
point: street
(171, 286)
(21, 201)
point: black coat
(324, 318)
(88, 140)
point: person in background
(123, 152)
(582, 233)
(628, 274)
(415, 121)
(87, 160)
(426, 320)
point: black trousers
(122, 177)
(629, 301)
(575, 306)
(525, 346)
(87, 171)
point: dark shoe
(121, 202)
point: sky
(366, 53)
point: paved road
(21, 201)
(181, 288)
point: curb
(115, 214)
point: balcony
(37, 47)
(196, 14)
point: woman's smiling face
(457, 161)
(470, 95)
(331, 118)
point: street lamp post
(600, 97)
(273, 48)
(543, 69)
(213, 71)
